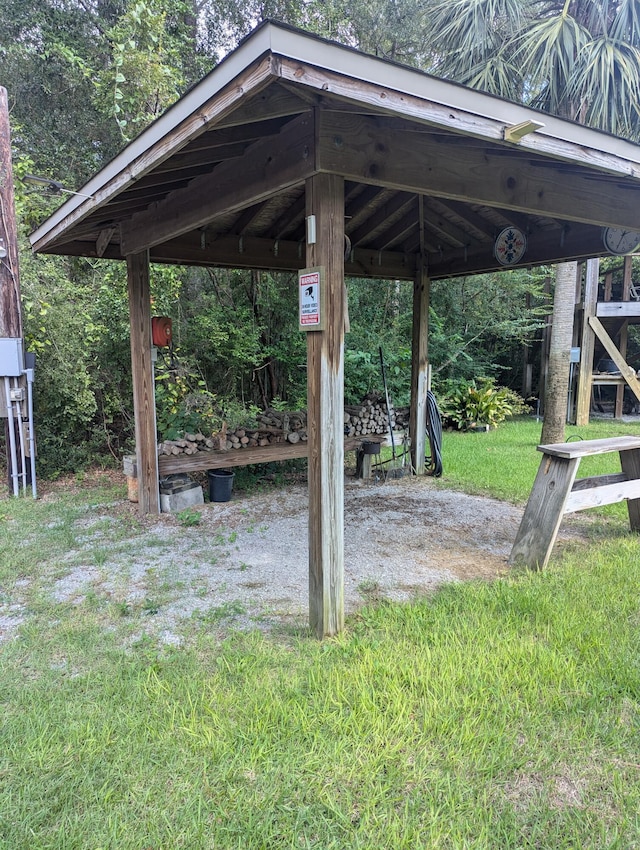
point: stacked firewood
(275, 426)
(369, 417)
(191, 443)
(402, 418)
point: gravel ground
(245, 564)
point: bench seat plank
(586, 448)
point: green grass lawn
(492, 715)
(503, 463)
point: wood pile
(402, 418)
(275, 426)
(369, 417)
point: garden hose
(434, 433)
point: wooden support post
(325, 411)
(630, 465)
(587, 343)
(419, 368)
(144, 408)
(624, 333)
(10, 307)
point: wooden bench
(557, 492)
(169, 464)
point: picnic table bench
(556, 492)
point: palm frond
(549, 50)
(626, 23)
(606, 83)
(466, 33)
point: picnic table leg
(630, 464)
(543, 514)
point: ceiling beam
(463, 211)
(380, 217)
(358, 148)
(267, 167)
(256, 253)
(293, 215)
(400, 230)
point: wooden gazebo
(396, 173)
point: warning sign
(310, 292)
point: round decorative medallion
(510, 246)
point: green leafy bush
(479, 402)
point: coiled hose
(434, 433)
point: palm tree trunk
(555, 399)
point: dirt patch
(246, 561)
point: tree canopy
(85, 76)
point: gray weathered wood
(618, 309)
(630, 463)
(201, 461)
(542, 516)
(626, 371)
(598, 481)
(267, 167)
(586, 448)
(325, 390)
(557, 492)
(143, 390)
(360, 148)
(602, 494)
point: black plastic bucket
(370, 447)
(220, 484)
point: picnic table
(556, 492)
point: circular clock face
(619, 241)
(510, 246)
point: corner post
(325, 405)
(419, 367)
(144, 407)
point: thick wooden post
(624, 334)
(10, 308)
(419, 368)
(325, 406)
(144, 407)
(587, 343)
(10, 305)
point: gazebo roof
(219, 178)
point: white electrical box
(11, 357)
